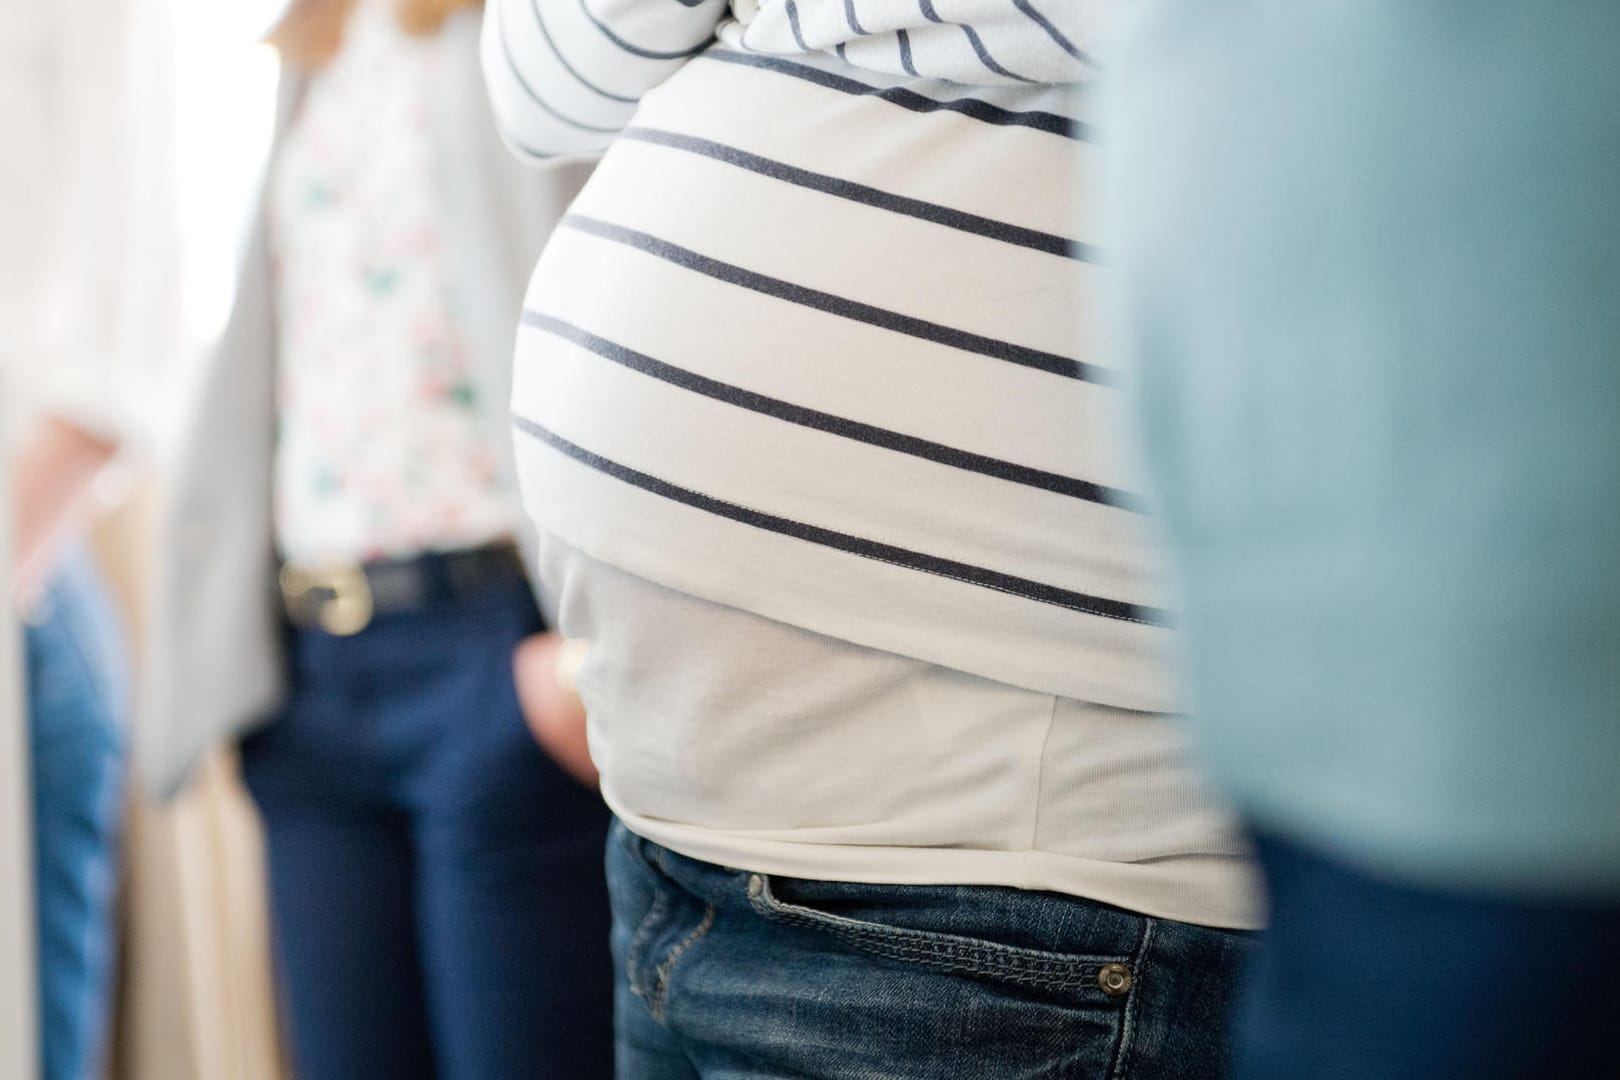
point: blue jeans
(437, 897)
(1361, 978)
(730, 975)
(76, 699)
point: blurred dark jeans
(734, 975)
(1359, 978)
(436, 882)
(76, 687)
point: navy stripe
(973, 39)
(1053, 32)
(511, 63)
(986, 59)
(973, 108)
(867, 196)
(905, 52)
(927, 450)
(842, 306)
(854, 545)
(793, 23)
(540, 21)
(636, 50)
(526, 150)
(854, 22)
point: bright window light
(225, 90)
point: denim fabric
(730, 975)
(77, 699)
(1361, 978)
(438, 903)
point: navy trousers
(1361, 978)
(438, 899)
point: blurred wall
(18, 1045)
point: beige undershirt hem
(1204, 890)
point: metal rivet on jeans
(756, 885)
(1115, 980)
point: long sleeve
(565, 76)
(975, 42)
(90, 301)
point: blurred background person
(1369, 262)
(437, 898)
(87, 308)
(875, 675)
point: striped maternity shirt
(810, 348)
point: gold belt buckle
(349, 610)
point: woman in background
(825, 474)
(436, 885)
(87, 310)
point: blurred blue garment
(1368, 254)
(1364, 978)
(76, 695)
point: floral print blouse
(382, 451)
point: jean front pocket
(655, 921)
(1082, 978)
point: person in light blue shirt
(1368, 273)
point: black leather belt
(343, 598)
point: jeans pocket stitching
(1127, 1028)
(658, 1003)
(945, 952)
(638, 946)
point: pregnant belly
(823, 317)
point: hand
(52, 473)
(554, 713)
